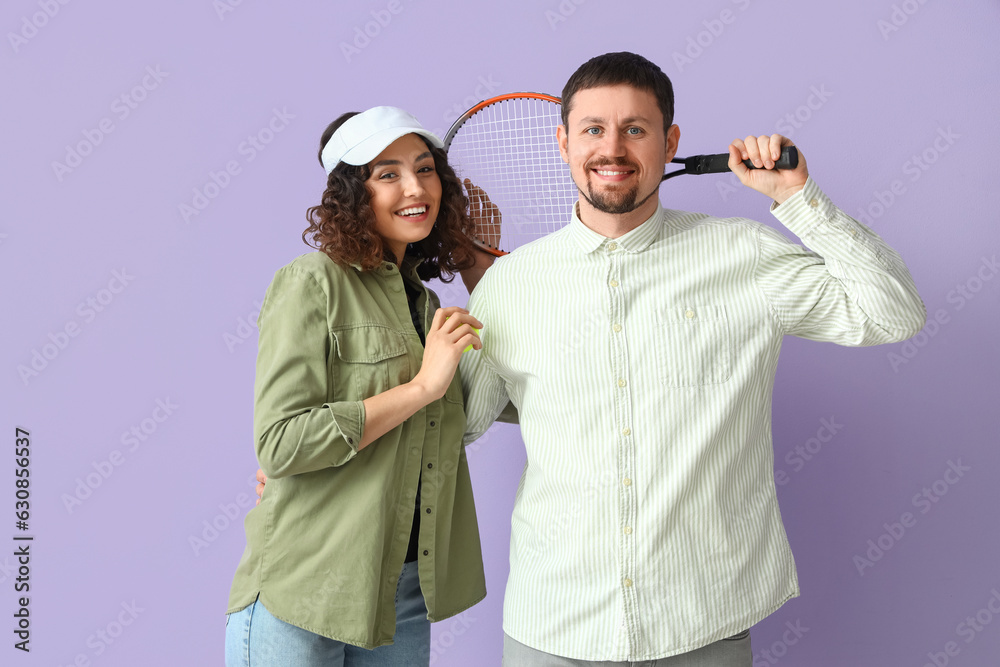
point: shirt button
(614, 283)
(814, 203)
(628, 530)
(433, 423)
(621, 382)
(689, 314)
(426, 552)
(627, 431)
(617, 327)
(627, 482)
(430, 465)
(628, 583)
(350, 441)
(428, 510)
(612, 246)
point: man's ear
(673, 139)
(563, 140)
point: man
(639, 346)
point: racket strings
(509, 149)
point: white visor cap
(361, 138)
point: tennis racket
(505, 150)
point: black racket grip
(717, 164)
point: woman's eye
(425, 170)
(386, 174)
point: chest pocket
(368, 360)
(693, 346)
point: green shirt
(326, 544)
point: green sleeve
(295, 429)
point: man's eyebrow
(625, 121)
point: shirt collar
(634, 241)
(408, 269)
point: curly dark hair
(343, 225)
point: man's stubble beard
(614, 203)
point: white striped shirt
(646, 522)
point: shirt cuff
(805, 210)
(350, 419)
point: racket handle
(717, 164)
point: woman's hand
(261, 481)
(451, 332)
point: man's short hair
(612, 69)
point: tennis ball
(470, 346)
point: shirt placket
(392, 280)
(429, 484)
(625, 447)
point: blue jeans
(255, 638)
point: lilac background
(171, 333)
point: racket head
(507, 146)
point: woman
(367, 527)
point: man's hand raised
(762, 151)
